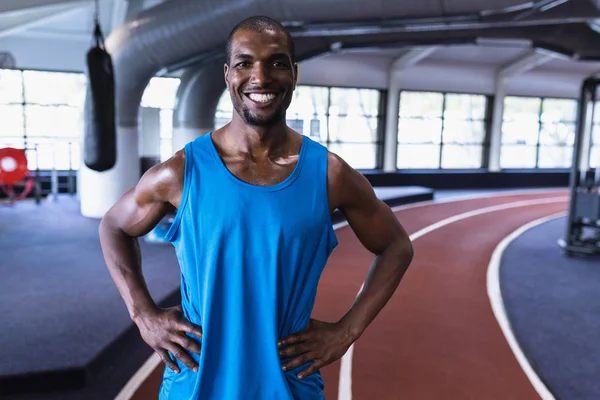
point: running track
(437, 338)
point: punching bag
(100, 142)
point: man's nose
(260, 74)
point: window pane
(596, 134)
(517, 156)
(54, 88)
(457, 131)
(558, 134)
(358, 156)
(418, 156)
(346, 101)
(465, 156)
(421, 104)
(53, 153)
(11, 86)
(516, 108)
(597, 112)
(160, 93)
(44, 156)
(595, 156)
(464, 106)
(166, 149)
(354, 128)
(316, 128)
(11, 141)
(523, 130)
(166, 124)
(559, 110)
(11, 120)
(66, 153)
(420, 130)
(53, 121)
(224, 109)
(555, 157)
(308, 102)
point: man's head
(260, 70)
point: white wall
(371, 72)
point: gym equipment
(13, 169)
(13, 165)
(100, 143)
(583, 226)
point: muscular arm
(378, 229)
(135, 214)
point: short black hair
(260, 23)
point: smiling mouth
(261, 98)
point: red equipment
(13, 169)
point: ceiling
(73, 20)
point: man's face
(260, 76)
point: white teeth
(261, 98)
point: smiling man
(252, 233)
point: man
(252, 233)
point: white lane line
(497, 303)
(153, 361)
(140, 376)
(345, 383)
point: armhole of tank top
(325, 191)
(187, 178)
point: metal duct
(198, 96)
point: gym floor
(449, 331)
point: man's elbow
(404, 252)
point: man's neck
(257, 141)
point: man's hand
(320, 343)
(165, 330)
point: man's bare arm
(136, 213)
(378, 229)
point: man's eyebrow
(243, 56)
(279, 55)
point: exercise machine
(582, 234)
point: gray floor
(553, 305)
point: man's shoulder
(336, 166)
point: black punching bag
(100, 142)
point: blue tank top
(250, 257)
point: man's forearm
(123, 259)
(383, 278)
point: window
(161, 93)
(595, 145)
(54, 88)
(12, 128)
(441, 130)
(345, 120)
(42, 112)
(537, 132)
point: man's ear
(226, 74)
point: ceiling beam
(413, 57)
(35, 18)
(14, 5)
(526, 63)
